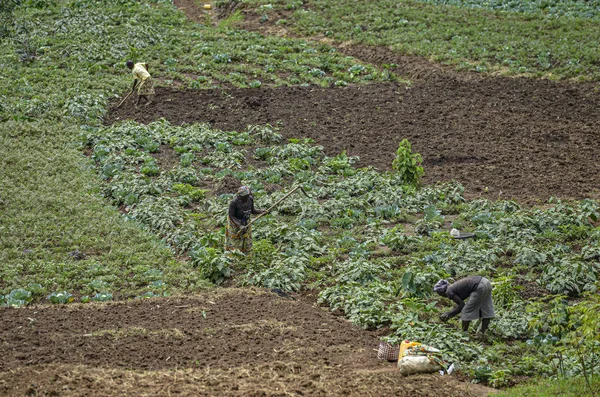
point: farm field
(113, 278)
(501, 139)
(275, 346)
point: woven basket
(387, 351)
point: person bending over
(478, 290)
(143, 81)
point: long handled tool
(277, 203)
(124, 99)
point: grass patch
(554, 388)
(52, 207)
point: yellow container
(207, 6)
(405, 345)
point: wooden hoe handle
(277, 203)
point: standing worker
(479, 291)
(141, 76)
(238, 236)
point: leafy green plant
(341, 164)
(408, 164)
(61, 297)
(482, 373)
(97, 285)
(214, 266)
(505, 293)
(265, 134)
(432, 220)
(187, 159)
(283, 273)
(360, 271)
(398, 241)
(102, 297)
(150, 168)
(194, 193)
(570, 277)
(17, 298)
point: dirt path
(233, 342)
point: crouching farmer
(478, 290)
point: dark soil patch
(500, 137)
(530, 289)
(227, 185)
(266, 380)
(219, 343)
(166, 157)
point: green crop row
(554, 9)
(545, 39)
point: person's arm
(232, 207)
(135, 82)
(254, 210)
(457, 309)
(146, 66)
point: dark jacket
(240, 211)
(460, 290)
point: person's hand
(445, 317)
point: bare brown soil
(192, 9)
(229, 342)
(500, 137)
(227, 185)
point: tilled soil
(510, 138)
(227, 342)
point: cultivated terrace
(401, 120)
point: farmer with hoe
(141, 76)
(479, 291)
(238, 235)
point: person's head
(130, 64)
(243, 193)
(440, 287)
